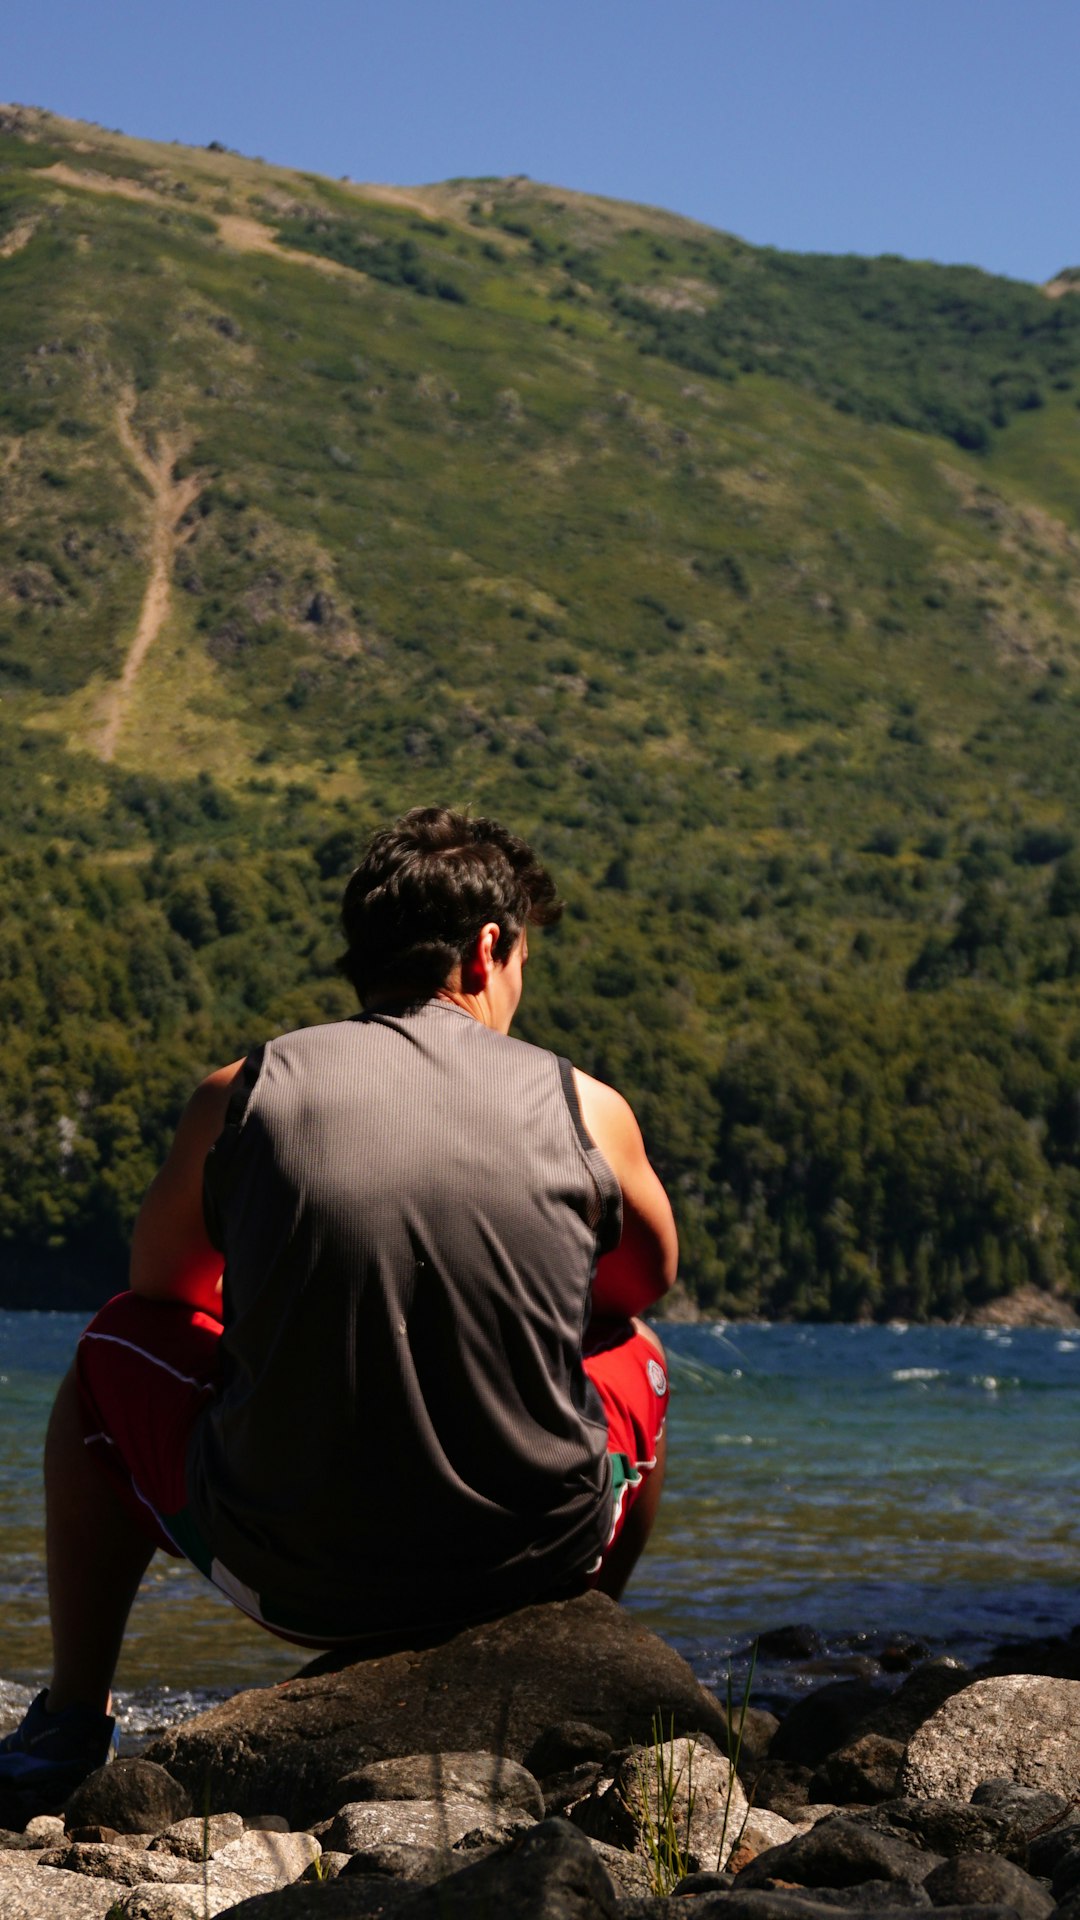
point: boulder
(492, 1688)
(132, 1796)
(985, 1879)
(1025, 1727)
(489, 1779)
(824, 1720)
(840, 1852)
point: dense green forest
(746, 584)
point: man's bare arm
(171, 1256)
(643, 1265)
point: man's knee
(649, 1334)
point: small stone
(759, 1830)
(628, 1872)
(327, 1867)
(985, 1879)
(367, 1824)
(134, 1796)
(414, 1865)
(124, 1865)
(563, 1790)
(45, 1830)
(174, 1903)
(568, 1745)
(1030, 1806)
(686, 1779)
(863, 1771)
(198, 1839)
(873, 1896)
(275, 1859)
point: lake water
(870, 1482)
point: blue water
(866, 1481)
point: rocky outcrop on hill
(562, 1764)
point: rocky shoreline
(564, 1764)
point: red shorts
(146, 1368)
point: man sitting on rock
(379, 1370)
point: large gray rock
(491, 1688)
(1023, 1727)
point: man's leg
(96, 1556)
(633, 1399)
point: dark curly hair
(422, 892)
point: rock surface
(489, 1779)
(985, 1879)
(1025, 1727)
(840, 1852)
(552, 1874)
(132, 1796)
(496, 1687)
(686, 1782)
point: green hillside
(748, 584)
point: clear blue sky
(939, 129)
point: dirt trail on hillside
(171, 500)
(15, 241)
(238, 231)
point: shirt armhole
(217, 1160)
(609, 1228)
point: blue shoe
(52, 1753)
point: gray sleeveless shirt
(411, 1212)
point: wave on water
(918, 1373)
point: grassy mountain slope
(748, 584)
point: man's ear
(479, 963)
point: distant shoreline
(1026, 1307)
